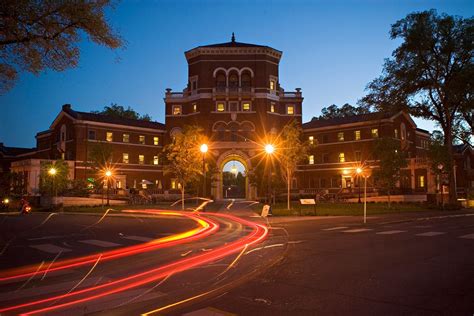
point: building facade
(233, 93)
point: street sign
(265, 210)
(307, 201)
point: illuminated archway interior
(233, 179)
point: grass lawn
(329, 209)
(102, 209)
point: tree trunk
(288, 188)
(448, 142)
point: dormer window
(176, 110)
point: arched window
(233, 80)
(246, 80)
(233, 129)
(221, 80)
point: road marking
(50, 248)
(335, 228)
(391, 232)
(100, 243)
(138, 238)
(470, 236)
(430, 234)
(357, 230)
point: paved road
(394, 265)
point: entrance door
(233, 180)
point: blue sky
(331, 49)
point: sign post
(266, 210)
(309, 202)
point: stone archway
(237, 155)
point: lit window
(173, 184)
(109, 136)
(156, 140)
(220, 107)
(126, 138)
(144, 185)
(155, 160)
(195, 107)
(176, 110)
(246, 106)
(272, 107)
(272, 84)
(290, 109)
(422, 181)
(395, 132)
(357, 135)
(141, 159)
(125, 157)
(340, 136)
(311, 140)
(311, 159)
(141, 139)
(342, 157)
(375, 132)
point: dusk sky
(331, 49)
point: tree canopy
(115, 110)
(36, 35)
(430, 75)
(333, 111)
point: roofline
(230, 50)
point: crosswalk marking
(50, 248)
(356, 230)
(137, 238)
(335, 228)
(470, 236)
(430, 234)
(391, 232)
(100, 243)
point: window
(311, 159)
(156, 140)
(141, 139)
(395, 133)
(290, 109)
(220, 107)
(324, 139)
(421, 181)
(342, 157)
(311, 140)
(176, 110)
(246, 106)
(272, 107)
(272, 85)
(340, 136)
(325, 158)
(357, 135)
(155, 160)
(403, 131)
(126, 138)
(357, 156)
(234, 106)
(195, 107)
(125, 158)
(141, 159)
(194, 85)
(91, 135)
(375, 132)
(109, 136)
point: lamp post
(108, 174)
(269, 150)
(52, 172)
(204, 148)
(358, 171)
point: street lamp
(358, 171)
(269, 150)
(204, 148)
(52, 172)
(108, 174)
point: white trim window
(125, 158)
(156, 160)
(126, 138)
(141, 159)
(176, 109)
(156, 140)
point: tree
(391, 161)
(115, 110)
(56, 183)
(36, 35)
(431, 73)
(291, 150)
(333, 111)
(184, 157)
(438, 157)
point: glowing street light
(359, 172)
(52, 171)
(204, 148)
(108, 174)
(269, 149)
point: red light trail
(258, 233)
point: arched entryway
(226, 163)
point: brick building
(233, 92)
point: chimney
(66, 107)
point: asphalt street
(412, 264)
